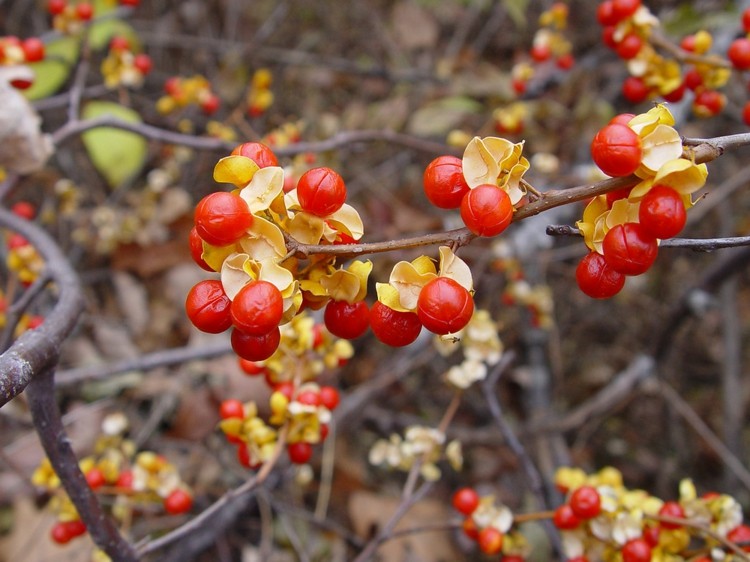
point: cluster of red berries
(82, 11)
(549, 45)
(629, 248)
(181, 92)
(15, 51)
(310, 396)
(489, 538)
(221, 219)
(120, 46)
(486, 210)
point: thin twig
(701, 428)
(143, 363)
(232, 495)
(387, 530)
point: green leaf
(439, 117)
(102, 32)
(116, 154)
(52, 72)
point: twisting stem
(38, 349)
(46, 416)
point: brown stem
(39, 349)
(46, 417)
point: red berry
(636, 550)
(300, 452)
(255, 348)
(196, 249)
(119, 43)
(608, 37)
(95, 478)
(597, 279)
(708, 103)
(21, 83)
(321, 191)
(444, 306)
(519, 86)
(285, 388)
(465, 500)
(329, 397)
(251, 367)
(693, 79)
(677, 94)
(564, 518)
(662, 212)
(84, 11)
(490, 540)
(55, 7)
(740, 535)
(24, 210)
(125, 480)
(60, 533)
(210, 104)
(564, 62)
(347, 320)
(309, 398)
(179, 501)
(616, 195)
(617, 150)
(33, 49)
(746, 20)
(634, 89)
(517, 558)
(622, 9)
(470, 528)
(257, 308)
(605, 15)
(688, 43)
(34, 322)
(585, 502)
(258, 153)
(75, 528)
(540, 53)
(486, 210)
(231, 409)
(208, 307)
(622, 118)
(629, 249)
(444, 182)
(629, 47)
(324, 432)
(672, 509)
(131, 3)
(143, 63)
(651, 534)
(739, 53)
(221, 218)
(393, 327)
(173, 86)
(16, 241)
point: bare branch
(39, 349)
(46, 416)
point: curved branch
(39, 349)
(77, 127)
(46, 416)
